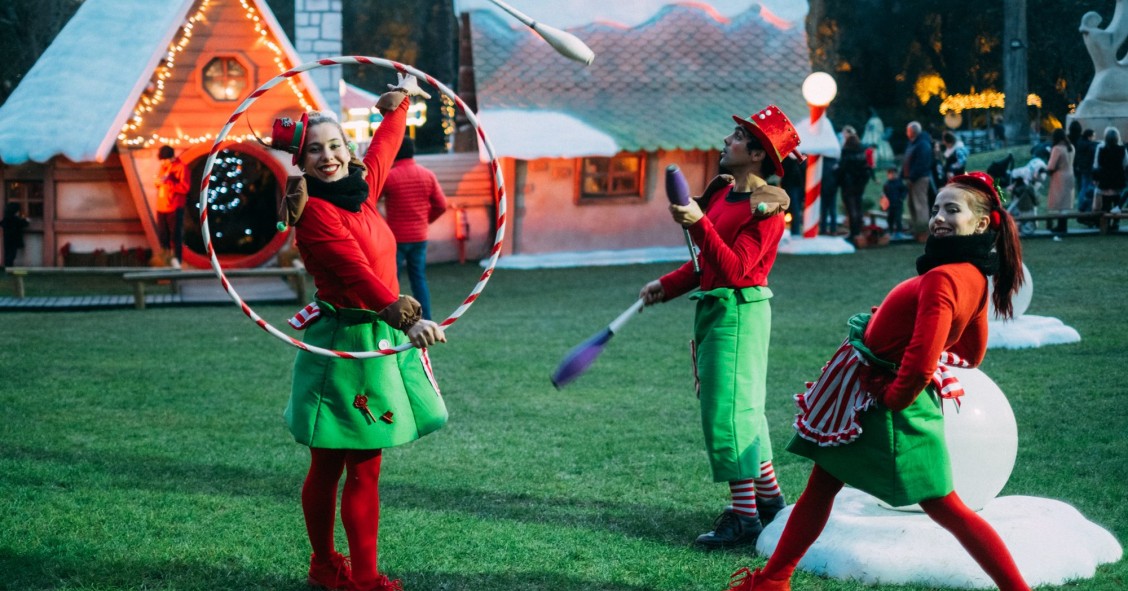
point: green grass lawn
(146, 450)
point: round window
(225, 79)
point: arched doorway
(246, 181)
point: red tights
(812, 511)
(360, 505)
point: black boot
(768, 508)
(732, 529)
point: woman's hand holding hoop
(425, 333)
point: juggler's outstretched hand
(652, 293)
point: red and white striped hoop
(495, 251)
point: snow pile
(1052, 544)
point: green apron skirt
(900, 457)
(731, 330)
(372, 403)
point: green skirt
(373, 403)
(900, 457)
(732, 328)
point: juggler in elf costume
(873, 419)
(737, 225)
(348, 410)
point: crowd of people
(1073, 172)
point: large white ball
(1019, 302)
(982, 440)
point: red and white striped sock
(766, 485)
(744, 497)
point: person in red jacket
(348, 410)
(737, 225)
(413, 200)
(873, 419)
(173, 185)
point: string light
(131, 133)
(988, 99)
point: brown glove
(390, 101)
(293, 201)
(403, 313)
(768, 200)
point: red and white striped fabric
(828, 409)
(306, 316)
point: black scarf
(348, 193)
(974, 248)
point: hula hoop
(495, 251)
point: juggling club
(580, 358)
(677, 191)
(566, 44)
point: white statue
(1108, 93)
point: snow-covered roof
(77, 96)
(82, 90)
(669, 83)
(536, 134)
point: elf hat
(289, 135)
(775, 132)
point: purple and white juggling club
(580, 358)
(677, 191)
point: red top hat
(775, 132)
(289, 136)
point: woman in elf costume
(348, 410)
(737, 225)
(873, 419)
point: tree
(421, 34)
(901, 57)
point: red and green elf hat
(775, 132)
(289, 135)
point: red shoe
(748, 580)
(382, 583)
(332, 574)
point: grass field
(145, 449)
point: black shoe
(732, 529)
(769, 508)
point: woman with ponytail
(873, 419)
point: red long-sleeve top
(943, 310)
(352, 256)
(413, 200)
(737, 250)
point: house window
(29, 194)
(225, 78)
(612, 178)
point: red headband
(984, 182)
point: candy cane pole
(499, 183)
(818, 90)
(566, 44)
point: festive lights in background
(131, 133)
(988, 99)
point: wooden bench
(20, 274)
(296, 276)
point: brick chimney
(317, 34)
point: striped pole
(495, 169)
(813, 196)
